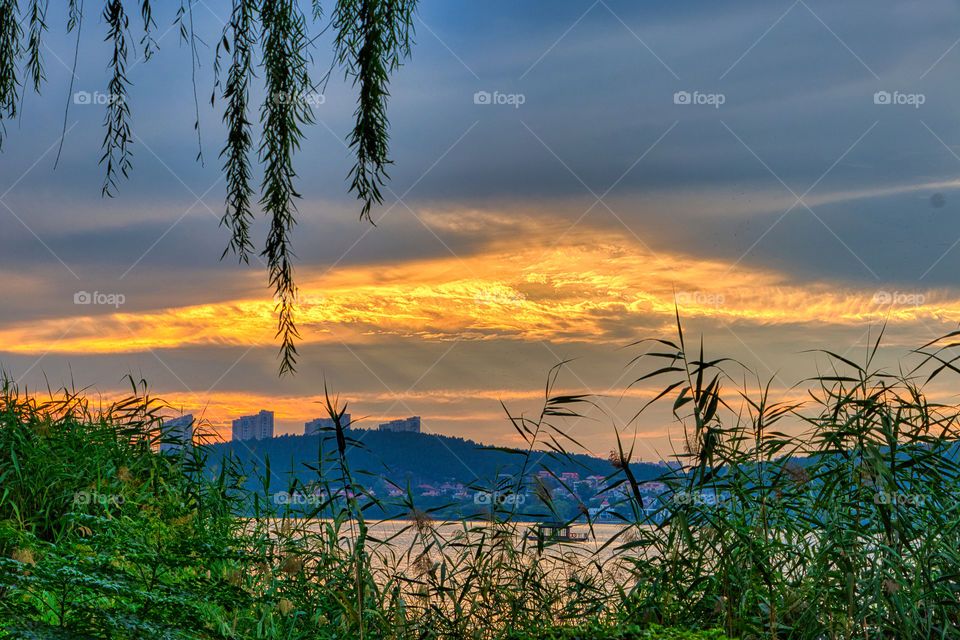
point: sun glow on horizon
(589, 289)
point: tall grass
(835, 517)
(101, 535)
(847, 528)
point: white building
(178, 429)
(406, 425)
(314, 427)
(256, 427)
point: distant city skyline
(262, 425)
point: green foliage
(837, 517)
(117, 138)
(284, 42)
(99, 537)
(10, 54)
(373, 37)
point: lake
(401, 546)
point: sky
(567, 178)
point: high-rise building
(406, 425)
(314, 427)
(178, 429)
(256, 427)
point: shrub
(99, 536)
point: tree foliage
(269, 40)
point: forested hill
(415, 457)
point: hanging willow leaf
(147, 42)
(282, 114)
(238, 216)
(371, 39)
(10, 52)
(38, 24)
(117, 139)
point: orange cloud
(589, 287)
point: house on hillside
(653, 487)
(428, 490)
(596, 481)
(603, 512)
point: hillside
(438, 470)
(422, 458)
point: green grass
(860, 540)
(845, 528)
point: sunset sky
(809, 198)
